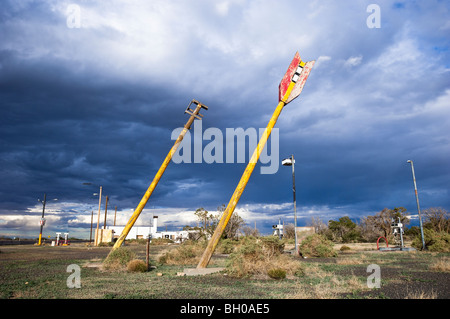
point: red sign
(296, 73)
(288, 76)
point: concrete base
(201, 271)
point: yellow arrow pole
(157, 177)
(204, 260)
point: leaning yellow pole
(284, 99)
(148, 193)
(239, 190)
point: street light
(42, 221)
(291, 162)
(418, 206)
(98, 215)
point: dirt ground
(404, 275)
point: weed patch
(317, 246)
(118, 259)
(258, 256)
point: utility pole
(194, 115)
(92, 219)
(115, 213)
(106, 212)
(42, 221)
(290, 87)
(98, 217)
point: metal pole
(98, 217)
(106, 212)
(147, 255)
(92, 219)
(418, 206)
(295, 205)
(115, 213)
(194, 114)
(42, 218)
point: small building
(143, 232)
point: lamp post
(90, 236)
(291, 162)
(418, 206)
(98, 215)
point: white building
(142, 232)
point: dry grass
(255, 257)
(260, 267)
(442, 265)
(421, 295)
(329, 287)
(136, 265)
(185, 254)
(349, 261)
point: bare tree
(437, 219)
(289, 231)
(235, 223)
(383, 220)
(319, 226)
(250, 231)
(369, 229)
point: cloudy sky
(91, 91)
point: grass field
(32, 272)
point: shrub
(118, 258)
(317, 246)
(136, 265)
(186, 254)
(226, 246)
(277, 273)
(257, 256)
(434, 241)
(344, 248)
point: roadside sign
(286, 80)
(298, 73)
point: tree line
(370, 228)
(342, 230)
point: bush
(118, 258)
(226, 246)
(187, 253)
(277, 273)
(137, 265)
(257, 256)
(344, 248)
(317, 246)
(434, 241)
